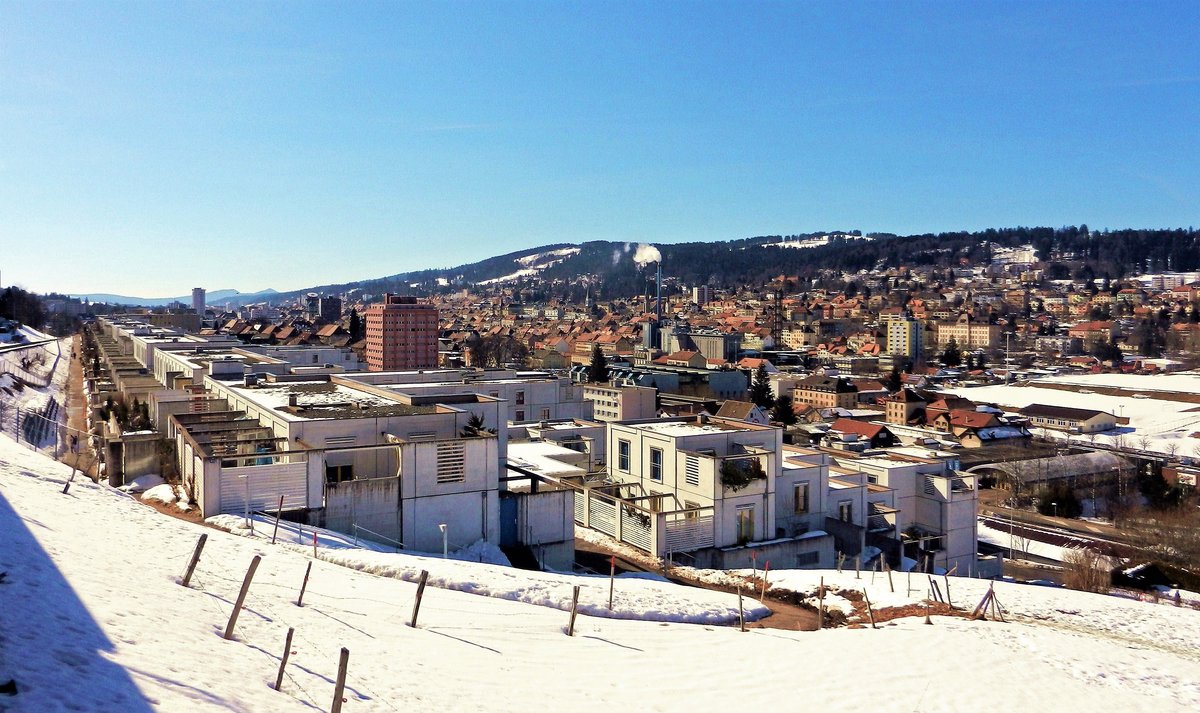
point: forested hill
(1072, 251)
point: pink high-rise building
(401, 334)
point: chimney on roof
(293, 400)
(658, 303)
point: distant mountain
(215, 297)
(608, 269)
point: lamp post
(445, 550)
(1055, 509)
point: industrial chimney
(658, 298)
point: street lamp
(1055, 509)
(445, 551)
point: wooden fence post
(821, 605)
(287, 651)
(574, 609)
(870, 611)
(237, 608)
(187, 574)
(417, 601)
(857, 566)
(766, 576)
(891, 585)
(304, 584)
(612, 575)
(340, 687)
(741, 611)
(278, 512)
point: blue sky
(146, 148)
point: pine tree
(782, 411)
(760, 387)
(598, 368)
(952, 356)
(893, 382)
(356, 326)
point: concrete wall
(546, 523)
(373, 504)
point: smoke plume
(647, 254)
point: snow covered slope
(92, 618)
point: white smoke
(647, 254)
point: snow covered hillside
(534, 264)
(92, 618)
(1162, 425)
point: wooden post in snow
(574, 610)
(821, 605)
(857, 566)
(766, 575)
(870, 611)
(304, 584)
(612, 576)
(741, 611)
(187, 574)
(981, 607)
(417, 601)
(340, 687)
(287, 651)
(278, 512)
(237, 608)
(891, 585)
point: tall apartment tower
(330, 309)
(401, 334)
(198, 301)
(906, 337)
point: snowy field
(92, 618)
(634, 597)
(1165, 424)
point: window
(623, 455)
(545, 414)
(519, 415)
(800, 491)
(520, 397)
(846, 510)
(338, 473)
(656, 464)
(691, 471)
(807, 558)
(745, 524)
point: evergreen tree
(892, 382)
(598, 368)
(782, 411)
(356, 326)
(760, 387)
(952, 356)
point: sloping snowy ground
(92, 618)
(1166, 425)
(34, 398)
(651, 599)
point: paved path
(85, 459)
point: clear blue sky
(150, 147)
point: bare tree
(1086, 570)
